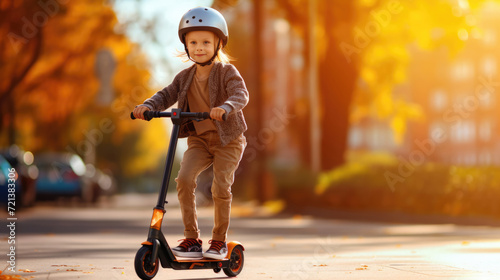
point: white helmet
(204, 19)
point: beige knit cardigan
(227, 90)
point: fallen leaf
(118, 268)
(12, 277)
(363, 267)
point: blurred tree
(19, 51)
(363, 51)
(48, 82)
(250, 63)
(337, 76)
(59, 79)
(385, 56)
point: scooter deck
(200, 260)
(199, 264)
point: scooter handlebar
(148, 115)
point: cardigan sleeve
(166, 97)
(236, 89)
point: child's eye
(207, 42)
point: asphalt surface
(65, 241)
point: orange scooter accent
(230, 247)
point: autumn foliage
(49, 86)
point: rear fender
(230, 247)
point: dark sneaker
(189, 248)
(218, 250)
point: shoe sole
(188, 254)
(214, 256)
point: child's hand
(139, 112)
(216, 113)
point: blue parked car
(5, 168)
(60, 174)
(26, 174)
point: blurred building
(371, 134)
(277, 114)
(460, 95)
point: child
(211, 85)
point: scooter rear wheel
(142, 263)
(236, 261)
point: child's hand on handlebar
(216, 113)
(139, 112)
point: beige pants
(203, 151)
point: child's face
(201, 45)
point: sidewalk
(100, 243)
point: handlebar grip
(148, 115)
(205, 115)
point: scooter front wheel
(236, 261)
(143, 267)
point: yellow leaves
(405, 112)
(384, 103)
(358, 165)
(384, 61)
(151, 147)
(338, 175)
(274, 206)
(366, 3)
(398, 125)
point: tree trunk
(336, 84)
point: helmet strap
(208, 62)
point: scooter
(156, 249)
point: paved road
(67, 242)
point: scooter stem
(168, 166)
